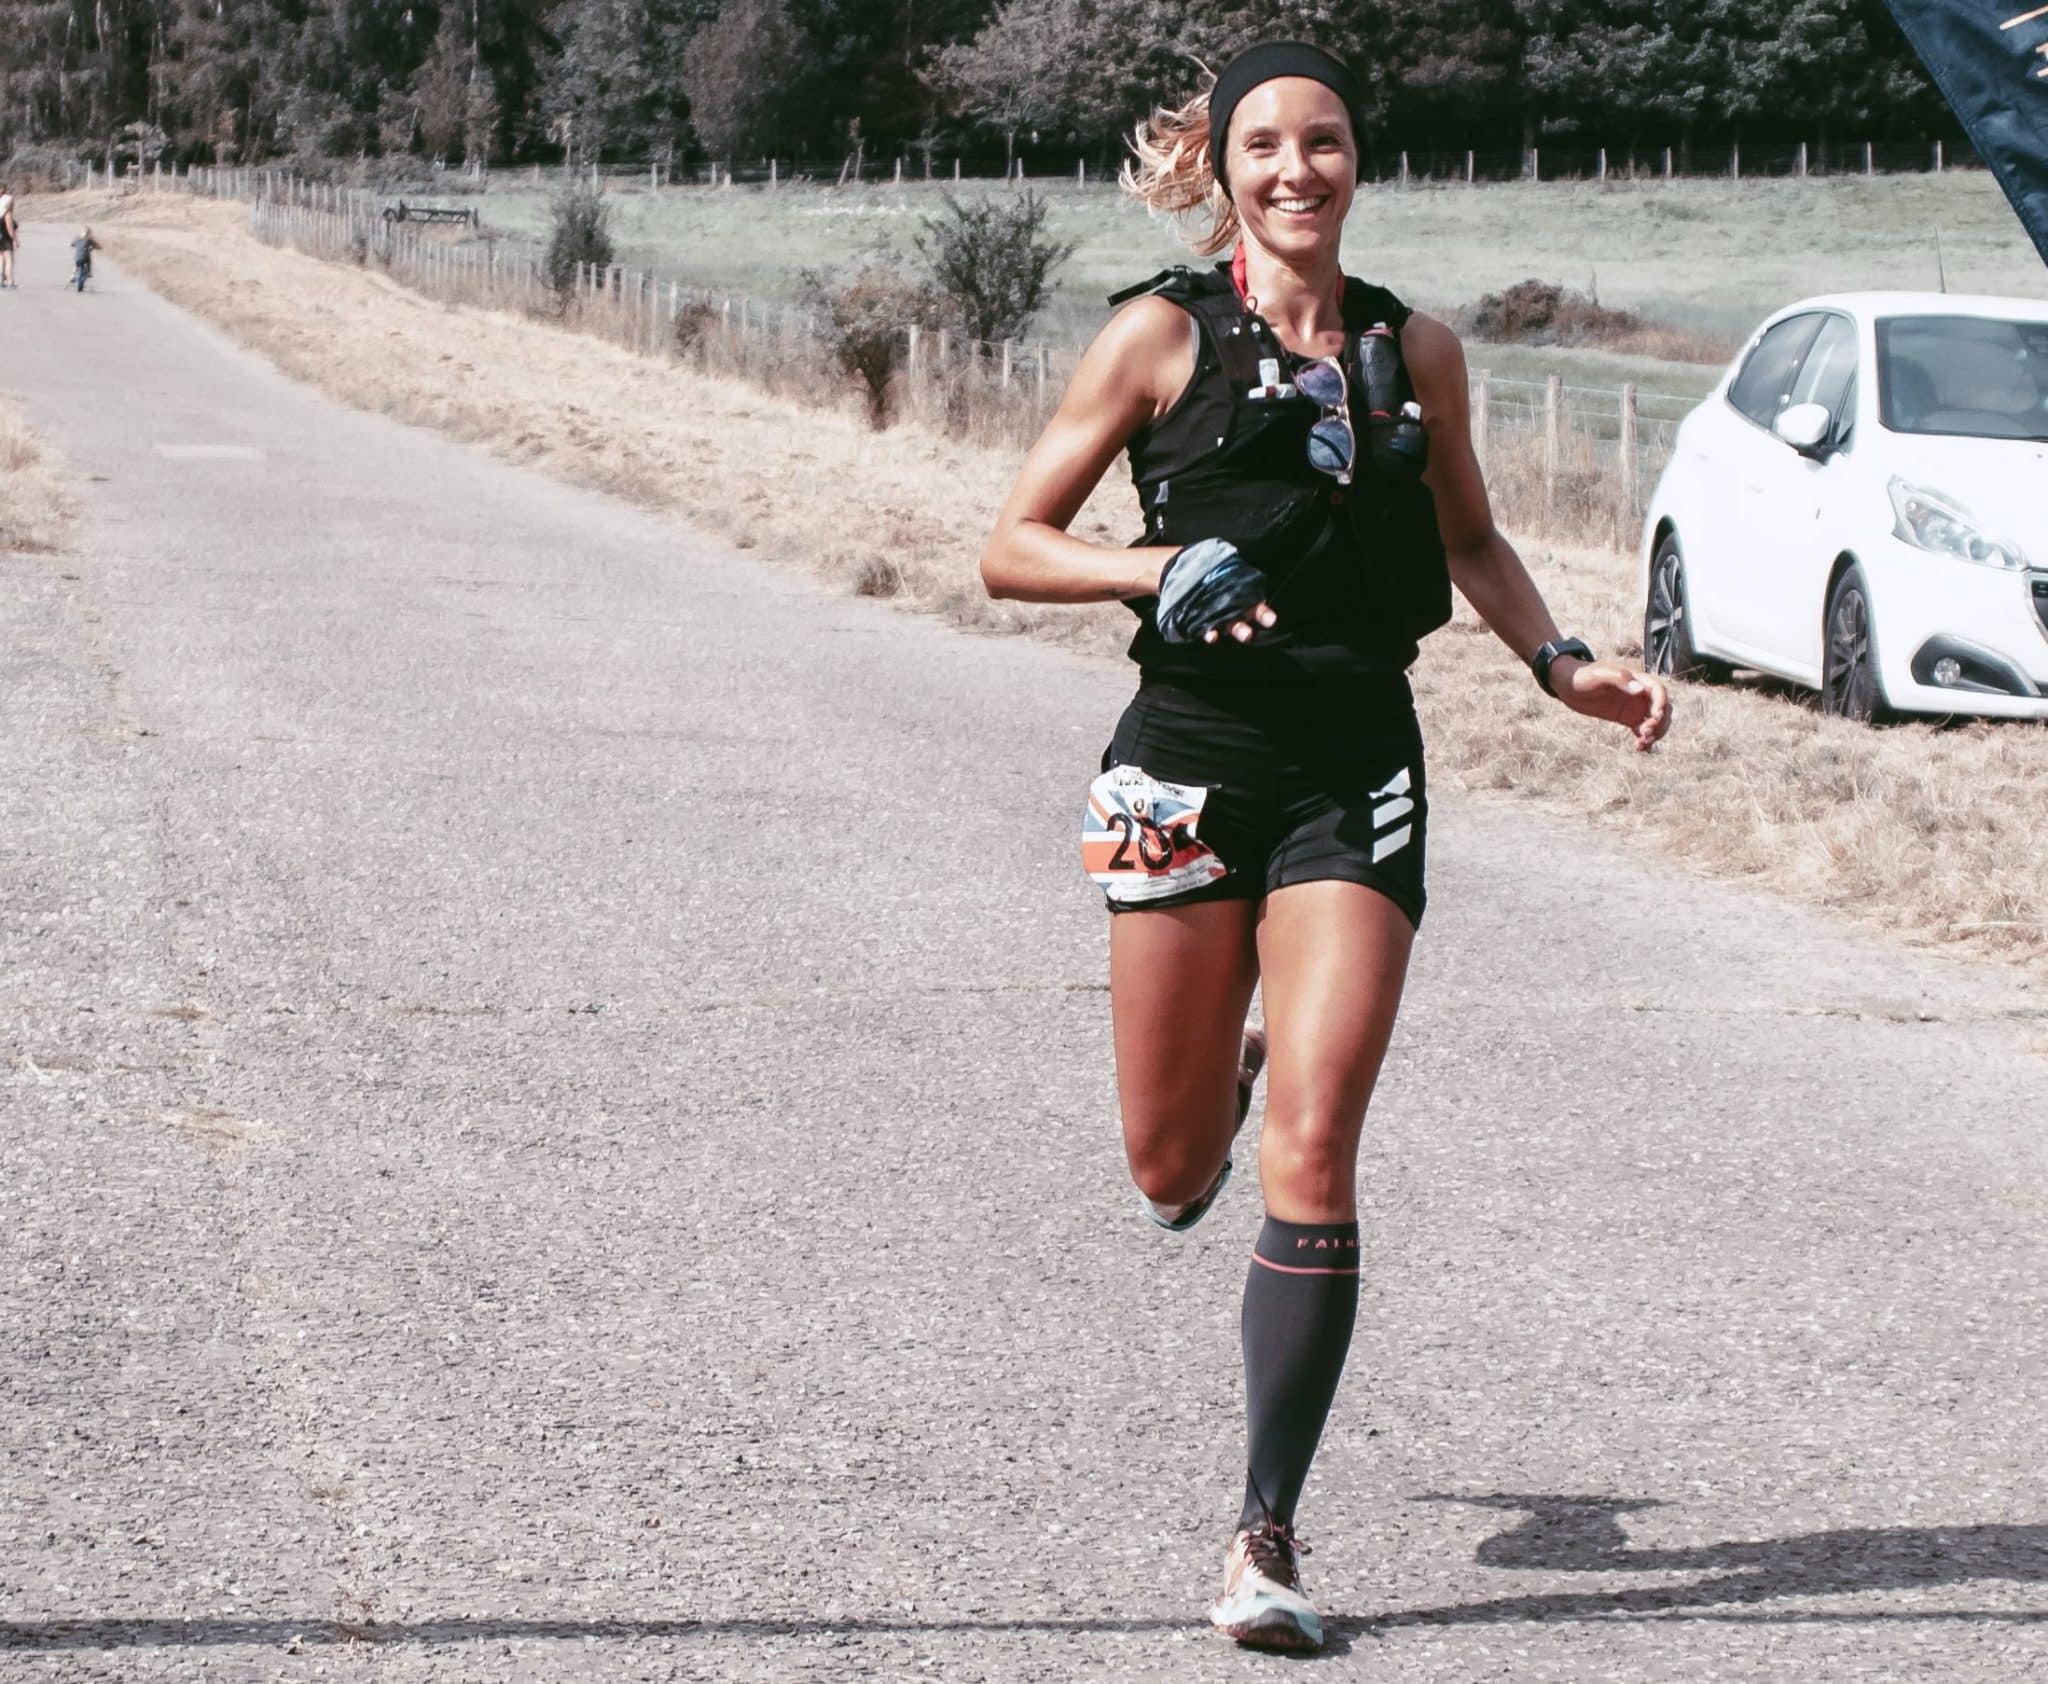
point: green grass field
(1713, 257)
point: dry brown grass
(34, 509)
(1929, 834)
(901, 510)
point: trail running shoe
(1178, 1219)
(1262, 1605)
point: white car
(1862, 506)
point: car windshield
(1963, 376)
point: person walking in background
(82, 249)
(10, 234)
(1301, 448)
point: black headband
(1262, 64)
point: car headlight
(1930, 520)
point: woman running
(10, 235)
(1262, 811)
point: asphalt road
(556, 1122)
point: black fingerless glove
(1206, 586)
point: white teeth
(1296, 204)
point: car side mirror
(1804, 427)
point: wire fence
(1572, 463)
(1398, 167)
(1430, 164)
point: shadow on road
(1562, 1534)
(1558, 1534)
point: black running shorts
(1307, 783)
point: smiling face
(1293, 165)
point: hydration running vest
(1357, 572)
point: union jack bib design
(1138, 837)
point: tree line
(495, 81)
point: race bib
(1138, 837)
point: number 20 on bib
(1138, 837)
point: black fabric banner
(1990, 60)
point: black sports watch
(1539, 663)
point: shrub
(37, 169)
(579, 231)
(862, 323)
(1544, 313)
(991, 263)
(693, 321)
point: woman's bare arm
(1483, 563)
(1129, 376)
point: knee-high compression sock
(1300, 1300)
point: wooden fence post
(1535, 165)
(774, 173)
(1482, 413)
(1006, 364)
(1468, 167)
(1044, 357)
(1937, 157)
(1553, 440)
(1802, 161)
(1404, 169)
(1667, 163)
(1630, 491)
(1869, 166)
(1601, 173)
(956, 172)
(1735, 161)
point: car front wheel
(1668, 648)
(1850, 687)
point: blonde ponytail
(1170, 174)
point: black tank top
(1357, 572)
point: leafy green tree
(743, 73)
(615, 86)
(453, 107)
(245, 80)
(1087, 70)
(1025, 70)
(1444, 73)
(1727, 66)
(870, 59)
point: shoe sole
(1195, 1212)
(1272, 1628)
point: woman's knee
(1172, 1165)
(1311, 1157)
